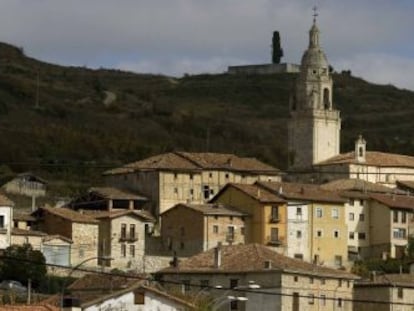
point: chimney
(217, 255)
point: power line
(242, 290)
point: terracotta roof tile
(17, 231)
(355, 185)
(210, 209)
(373, 158)
(196, 162)
(98, 214)
(256, 192)
(305, 192)
(251, 258)
(43, 307)
(116, 194)
(5, 201)
(392, 280)
(68, 214)
(395, 201)
(406, 184)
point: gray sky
(372, 38)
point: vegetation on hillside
(54, 121)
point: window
(123, 250)
(361, 202)
(298, 211)
(206, 191)
(274, 234)
(275, 213)
(351, 235)
(139, 297)
(191, 192)
(234, 305)
(361, 217)
(230, 234)
(295, 278)
(323, 281)
(336, 234)
(311, 280)
(316, 259)
(319, 213)
(181, 245)
(319, 233)
(175, 190)
(132, 231)
(403, 217)
(400, 292)
(298, 256)
(132, 250)
(351, 202)
(175, 175)
(191, 176)
(123, 231)
(338, 260)
(339, 283)
(311, 299)
(298, 234)
(1, 221)
(186, 286)
(340, 303)
(234, 283)
(210, 175)
(226, 176)
(335, 213)
(215, 228)
(361, 236)
(399, 233)
(395, 216)
(351, 216)
(242, 231)
(323, 300)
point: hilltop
(74, 122)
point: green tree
(22, 262)
(277, 51)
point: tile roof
(5, 201)
(355, 185)
(395, 201)
(50, 237)
(37, 307)
(215, 209)
(301, 192)
(23, 216)
(188, 161)
(406, 184)
(255, 192)
(251, 258)
(115, 194)
(373, 158)
(98, 214)
(68, 214)
(402, 280)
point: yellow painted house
(267, 221)
(317, 218)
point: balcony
(274, 218)
(230, 237)
(274, 241)
(129, 238)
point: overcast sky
(372, 38)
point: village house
(267, 222)
(6, 219)
(189, 229)
(227, 273)
(95, 292)
(81, 229)
(391, 218)
(316, 217)
(386, 292)
(183, 177)
(26, 184)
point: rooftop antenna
(315, 13)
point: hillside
(73, 122)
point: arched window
(361, 151)
(326, 100)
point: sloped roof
(37, 307)
(5, 201)
(195, 162)
(68, 214)
(251, 258)
(255, 192)
(23, 216)
(116, 194)
(407, 184)
(301, 192)
(355, 185)
(395, 201)
(97, 214)
(214, 209)
(373, 158)
(389, 280)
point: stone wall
(264, 69)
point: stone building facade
(6, 220)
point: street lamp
(62, 294)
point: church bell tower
(314, 125)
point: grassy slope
(71, 130)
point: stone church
(314, 130)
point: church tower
(314, 125)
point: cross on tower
(315, 13)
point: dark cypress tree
(277, 51)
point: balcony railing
(230, 237)
(274, 241)
(274, 218)
(129, 238)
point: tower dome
(314, 56)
